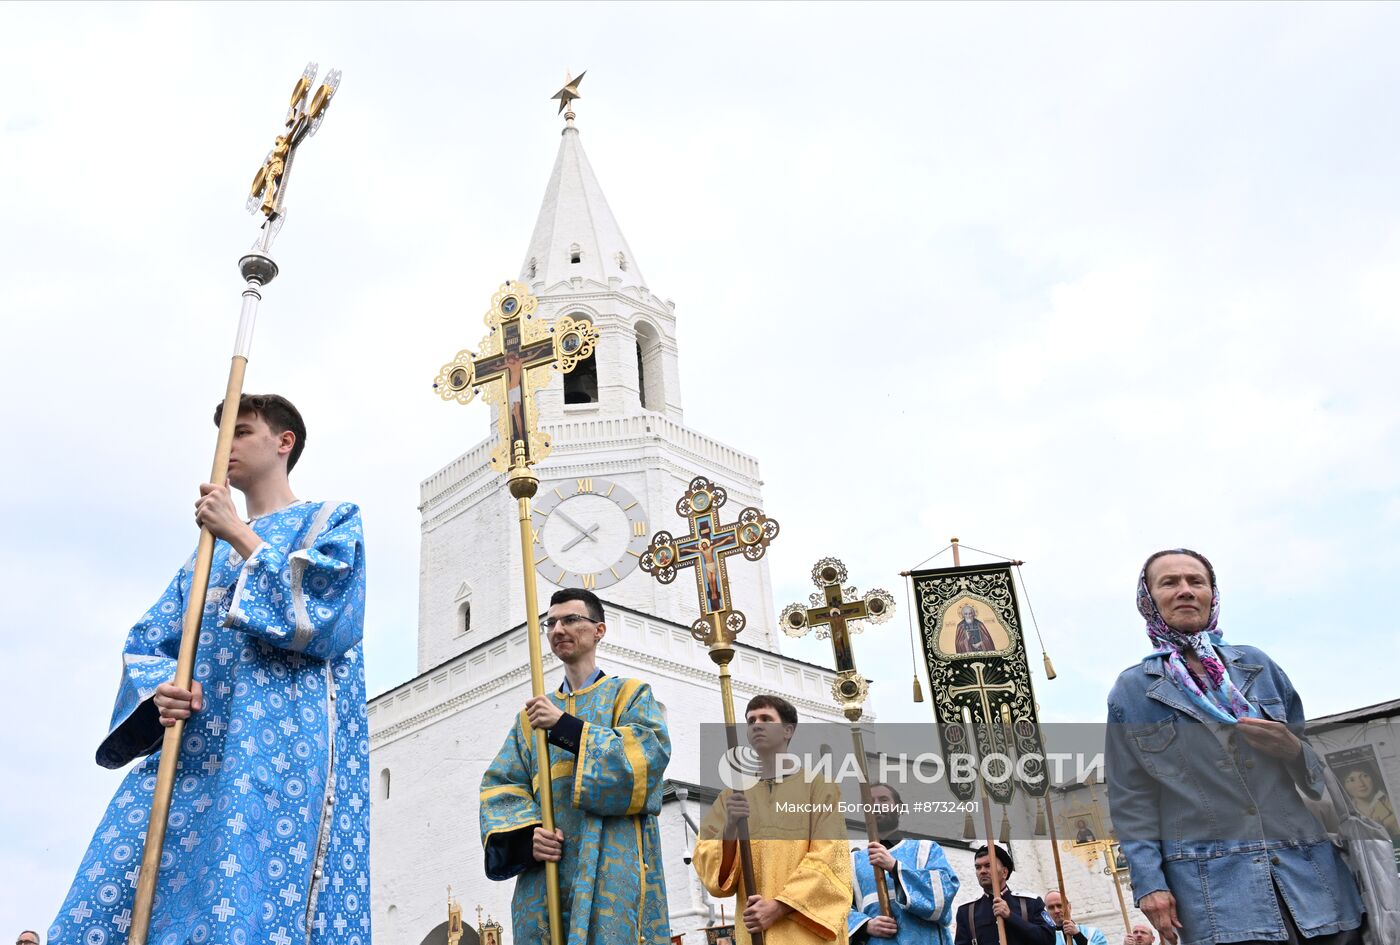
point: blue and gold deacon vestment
(268, 835)
(607, 757)
(800, 858)
(921, 891)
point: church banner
(970, 629)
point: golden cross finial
(837, 612)
(304, 114)
(705, 548)
(516, 359)
(568, 93)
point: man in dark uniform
(1024, 916)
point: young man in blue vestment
(1023, 916)
(920, 881)
(608, 749)
(268, 835)
(1067, 931)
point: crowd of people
(1205, 767)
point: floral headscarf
(1219, 698)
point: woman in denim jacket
(1204, 764)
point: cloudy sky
(1071, 282)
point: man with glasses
(608, 749)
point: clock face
(588, 532)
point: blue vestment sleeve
(567, 733)
(1098, 938)
(927, 888)
(620, 769)
(508, 809)
(311, 600)
(855, 921)
(148, 659)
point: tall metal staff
(304, 115)
(705, 549)
(517, 357)
(837, 612)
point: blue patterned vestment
(921, 893)
(1092, 935)
(606, 799)
(268, 836)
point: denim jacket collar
(1165, 691)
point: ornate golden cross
(304, 115)
(705, 549)
(837, 612)
(516, 358)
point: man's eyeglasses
(568, 622)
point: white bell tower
(621, 456)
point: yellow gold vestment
(801, 854)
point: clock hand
(582, 535)
(583, 532)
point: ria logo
(739, 768)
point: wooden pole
(303, 118)
(871, 830)
(1112, 866)
(1055, 850)
(993, 861)
(722, 652)
(258, 270)
(523, 485)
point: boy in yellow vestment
(801, 858)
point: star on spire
(568, 93)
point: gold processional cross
(516, 359)
(304, 115)
(838, 612)
(705, 549)
(258, 269)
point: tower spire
(576, 235)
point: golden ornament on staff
(303, 120)
(837, 612)
(705, 549)
(517, 358)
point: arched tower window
(575, 253)
(384, 784)
(581, 384)
(534, 267)
(464, 608)
(650, 374)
